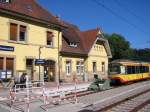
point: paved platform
(85, 102)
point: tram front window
(114, 69)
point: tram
(124, 71)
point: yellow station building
(32, 40)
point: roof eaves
(24, 16)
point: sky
(129, 18)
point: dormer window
(5, 1)
(29, 7)
(73, 44)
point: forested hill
(121, 49)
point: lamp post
(40, 64)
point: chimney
(58, 17)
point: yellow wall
(73, 69)
(97, 54)
(36, 37)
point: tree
(142, 54)
(120, 47)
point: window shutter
(1, 63)
(13, 32)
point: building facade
(32, 40)
(84, 54)
(29, 40)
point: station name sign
(6, 48)
(39, 61)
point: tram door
(49, 71)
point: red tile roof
(88, 38)
(30, 8)
(84, 40)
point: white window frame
(68, 68)
(72, 44)
(52, 43)
(94, 69)
(5, 1)
(79, 67)
(18, 32)
(103, 67)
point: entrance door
(49, 71)
(30, 68)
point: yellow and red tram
(124, 71)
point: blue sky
(86, 14)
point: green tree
(120, 47)
(142, 54)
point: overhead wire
(118, 15)
(130, 11)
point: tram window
(146, 69)
(133, 69)
(129, 70)
(141, 69)
(137, 69)
(114, 69)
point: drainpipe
(58, 80)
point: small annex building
(84, 54)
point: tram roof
(129, 62)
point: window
(147, 69)
(1, 63)
(103, 66)
(5, 1)
(13, 31)
(142, 69)
(72, 44)
(68, 67)
(50, 38)
(29, 62)
(137, 69)
(133, 69)
(94, 67)
(129, 69)
(9, 64)
(6, 67)
(79, 67)
(22, 33)
(114, 69)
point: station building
(84, 54)
(32, 40)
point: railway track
(132, 104)
(130, 98)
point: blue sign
(39, 61)
(6, 48)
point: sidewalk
(51, 89)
